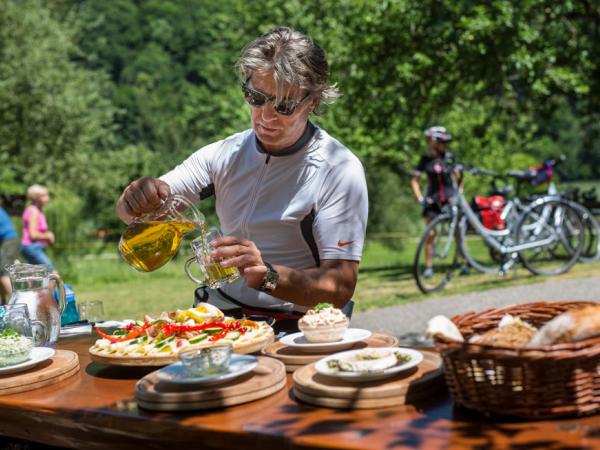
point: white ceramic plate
(239, 365)
(38, 354)
(351, 336)
(415, 358)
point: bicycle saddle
(521, 175)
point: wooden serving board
(343, 403)
(215, 403)
(267, 377)
(61, 366)
(294, 357)
(412, 384)
(292, 367)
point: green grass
(385, 279)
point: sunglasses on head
(257, 99)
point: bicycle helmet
(438, 134)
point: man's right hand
(141, 196)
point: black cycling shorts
(431, 211)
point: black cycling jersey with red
(439, 180)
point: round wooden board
(216, 403)
(295, 357)
(425, 378)
(346, 403)
(61, 366)
(268, 373)
(157, 361)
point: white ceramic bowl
(324, 333)
(15, 350)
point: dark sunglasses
(257, 99)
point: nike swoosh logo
(344, 244)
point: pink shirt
(42, 225)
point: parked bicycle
(504, 207)
(547, 238)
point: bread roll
(510, 336)
(441, 325)
(511, 332)
(571, 326)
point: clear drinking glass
(92, 311)
(206, 361)
(214, 274)
(17, 335)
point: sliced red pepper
(132, 334)
(104, 335)
(235, 326)
(171, 328)
(130, 326)
(219, 335)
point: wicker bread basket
(533, 383)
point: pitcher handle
(61, 292)
(189, 274)
(39, 337)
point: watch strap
(269, 282)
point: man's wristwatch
(269, 282)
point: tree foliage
(94, 94)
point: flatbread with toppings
(155, 342)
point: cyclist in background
(436, 164)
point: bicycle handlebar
(463, 167)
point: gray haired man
(291, 200)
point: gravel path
(409, 321)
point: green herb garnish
(9, 332)
(333, 364)
(402, 357)
(321, 306)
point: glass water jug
(31, 287)
(151, 240)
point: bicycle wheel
(436, 255)
(476, 251)
(556, 228)
(591, 244)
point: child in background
(36, 235)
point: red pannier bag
(490, 210)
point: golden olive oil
(147, 246)
(217, 275)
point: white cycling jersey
(305, 204)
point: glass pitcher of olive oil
(151, 240)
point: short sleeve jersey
(438, 171)
(299, 208)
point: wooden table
(96, 409)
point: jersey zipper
(254, 196)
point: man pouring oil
(291, 200)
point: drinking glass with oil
(215, 275)
(151, 240)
